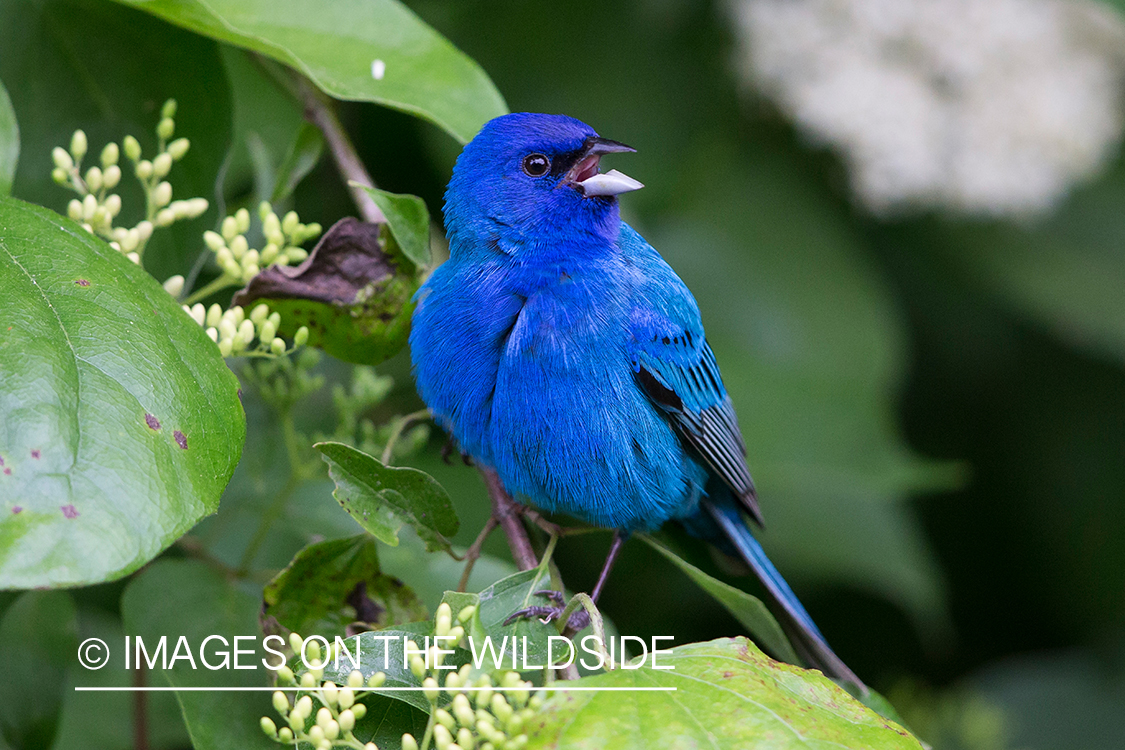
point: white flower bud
(213, 334)
(74, 209)
(162, 194)
(162, 165)
(331, 730)
(134, 257)
(169, 109)
(245, 332)
(408, 742)
(165, 217)
(331, 692)
(280, 703)
(251, 256)
(275, 319)
(346, 697)
(131, 240)
(238, 315)
(59, 175)
(178, 148)
(89, 206)
(144, 230)
(226, 261)
(213, 241)
(175, 286)
(290, 222)
(260, 313)
(229, 228)
(238, 247)
(307, 680)
(250, 271)
(78, 145)
(316, 734)
(94, 179)
(284, 673)
(112, 175)
(101, 217)
(226, 348)
(131, 147)
(346, 721)
(465, 738)
(110, 155)
(198, 313)
(359, 710)
(144, 169)
(285, 736)
(242, 218)
(166, 128)
(62, 158)
(312, 230)
(269, 254)
(376, 680)
(296, 254)
(323, 716)
(113, 204)
(198, 207)
(430, 689)
(271, 228)
(269, 727)
(228, 330)
(445, 719)
(214, 316)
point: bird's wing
(675, 367)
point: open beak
(584, 175)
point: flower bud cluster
(240, 262)
(97, 206)
(239, 334)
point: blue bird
(561, 351)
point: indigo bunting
(560, 350)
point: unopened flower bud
(323, 716)
(178, 148)
(445, 719)
(131, 147)
(359, 710)
(213, 334)
(465, 738)
(250, 271)
(280, 703)
(242, 219)
(113, 204)
(131, 240)
(78, 144)
(112, 175)
(165, 217)
(226, 347)
(331, 692)
(144, 169)
(89, 206)
(169, 109)
(442, 737)
(355, 679)
(267, 331)
(74, 209)
(408, 742)
(213, 241)
(62, 158)
(269, 727)
(229, 228)
(166, 128)
(332, 730)
(271, 228)
(346, 721)
(466, 613)
(198, 313)
(430, 689)
(144, 230)
(290, 222)
(110, 155)
(304, 705)
(296, 254)
(197, 207)
(285, 736)
(284, 673)
(311, 230)
(417, 666)
(174, 285)
(60, 175)
(246, 332)
(376, 680)
(162, 165)
(162, 194)
(238, 246)
(94, 179)
(316, 733)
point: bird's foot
(579, 619)
(447, 453)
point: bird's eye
(536, 165)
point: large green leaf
(747, 609)
(191, 600)
(107, 69)
(362, 50)
(409, 222)
(38, 640)
(9, 142)
(332, 584)
(727, 693)
(119, 422)
(383, 499)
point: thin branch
(507, 514)
(140, 710)
(473, 553)
(319, 111)
(396, 432)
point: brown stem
(319, 111)
(473, 553)
(507, 514)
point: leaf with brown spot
(354, 297)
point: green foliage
(778, 706)
(409, 223)
(383, 499)
(38, 637)
(340, 46)
(9, 142)
(333, 584)
(90, 425)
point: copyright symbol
(93, 653)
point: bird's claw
(579, 619)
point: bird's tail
(806, 638)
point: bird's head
(527, 176)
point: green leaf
(383, 499)
(727, 694)
(354, 297)
(339, 47)
(9, 142)
(38, 640)
(304, 153)
(332, 584)
(107, 69)
(382, 651)
(191, 600)
(499, 601)
(409, 222)
(121, 421)
(747, 609)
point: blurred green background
(933, 396)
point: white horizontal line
(385, 689)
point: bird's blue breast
(529, 366)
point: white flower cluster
(234, 331)
(984, 106)
(240, 262)
(97, 206)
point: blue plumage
(560, 349)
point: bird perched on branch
(562, 352)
